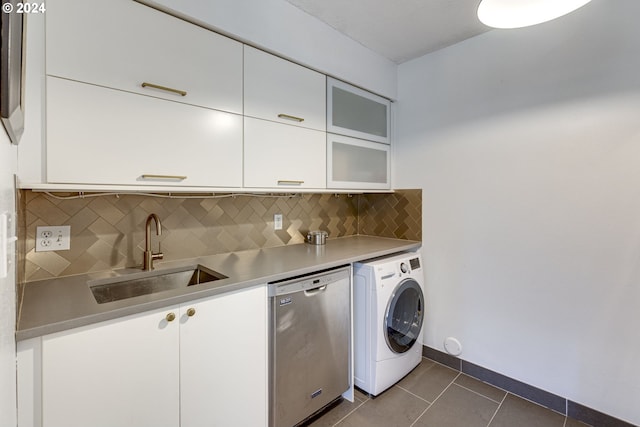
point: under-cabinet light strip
(83, 195)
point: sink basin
(150, 282)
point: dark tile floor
(433, 395)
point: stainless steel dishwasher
(310, 321)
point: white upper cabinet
(97, 135)
(125, 45)
(354, 163)
(281, 91)
(137, 97)
(354, 112)
(281, 156)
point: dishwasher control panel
(308, 282)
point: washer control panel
(397, 267)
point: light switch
(277, 222)
(6, 241)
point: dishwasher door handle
(315, 291)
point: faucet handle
(159, 254)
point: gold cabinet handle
(166, 89)
(170, 317)
(191, 312)
(153, 176)
(288, 117)
(290, 182)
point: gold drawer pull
(290, 182)
(167, 89)
(288, 117)
(191, 312)
(170, 317)
(152, 176)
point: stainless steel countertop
(54, 305)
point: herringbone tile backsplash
(107, 231)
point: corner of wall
(396, 215)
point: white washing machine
(388, 309)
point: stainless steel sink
(150, 282)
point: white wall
(281, 28)
(7, 292)
(527, 146)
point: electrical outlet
(54, 238)
(277, 222)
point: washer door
(404, 316)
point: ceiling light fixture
(523, 13)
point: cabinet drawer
(355, 112)
(122, 44)
(279, 90)
(283, 156)
(357, 164)
(105, 136)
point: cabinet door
(355, 112)
(223, 360)
(358, 164)
(97, 135)
(120, 373)
(279, 90)
(281, 156)
(123, 44)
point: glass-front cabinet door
(358, 164)
(355, 112)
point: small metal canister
(317, 237)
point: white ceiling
(399, 30)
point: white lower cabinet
(283, 156)
(206, 367)
(223, 361)
(97, 135)
(119, 373)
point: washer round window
(405, 313)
